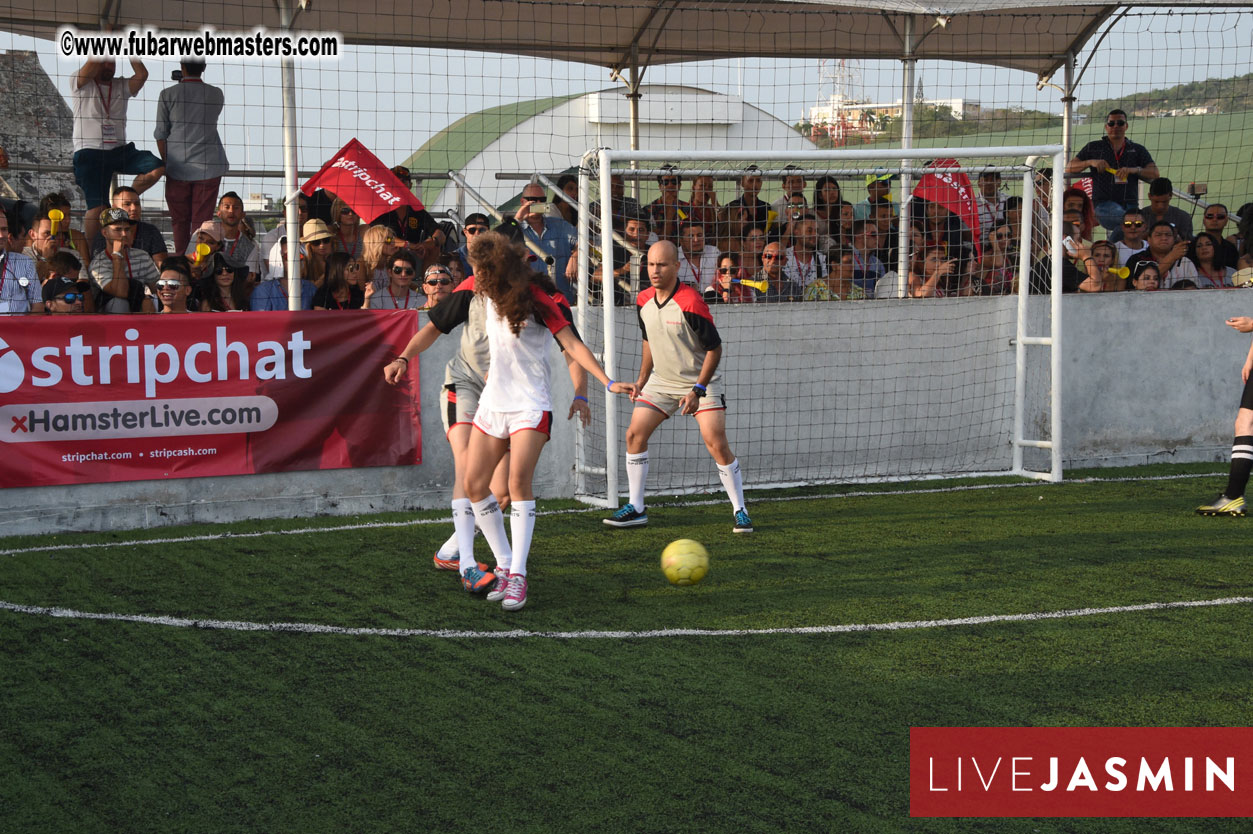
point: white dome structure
(551, 135)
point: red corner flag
(952, 190)
(363, 182)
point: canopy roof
(1026, 35)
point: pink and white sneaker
(515, 593)
(498, 590)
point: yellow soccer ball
(684, 562)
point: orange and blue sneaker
(477, 579)
(452, 562)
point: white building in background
(258, 202)
(551, 135)
(854, 111)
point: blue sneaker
(627, 516)
(743, 524)
(476, 580)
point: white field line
(707, 502)
(517, 634)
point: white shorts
(502, 424)
(665, 398)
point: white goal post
(880, 389)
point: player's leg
(644, 421)
(483, 455)
(524, 452)
(1231, 501)
(462, 539)
(713, 430)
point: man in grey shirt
(195, 160)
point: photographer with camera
(552, 234)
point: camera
(177, 75)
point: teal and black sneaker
(627, 516)
(743, 524)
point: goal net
(855, 361)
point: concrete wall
(1146, 377)
(140, 504)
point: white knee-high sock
(733, 483)
(463, 531)
(522, 525)
(491, 521)
(637, 473)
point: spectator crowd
(813, 243)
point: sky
(393, 100)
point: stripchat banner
(95, 399)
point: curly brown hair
(501, 273)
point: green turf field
(138, 726)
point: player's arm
(646, 367)
(579, 405)
(423, 339)
(691, 400)
(578, 352)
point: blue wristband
(609, 385)
(580, 397)
(701, 387)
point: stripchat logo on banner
(151, 366)
(102, 398)
(1081, 771)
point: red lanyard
(352, 253)
(234, 245)
(396, 304)
(1118, 155)
(106, 102)
(695, 269)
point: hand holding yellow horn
(56, 216)
(202, 252)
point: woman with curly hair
(1205, 252)
(515, 412)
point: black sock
(1241, 465)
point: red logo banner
(1080, 771)
(952, 190)
(93, 399)
(363, 182)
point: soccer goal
(885, 387)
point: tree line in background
(1224, 95)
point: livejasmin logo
(1080, 771)
(1023, 773)
(152, 365)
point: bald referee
(678, 372)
